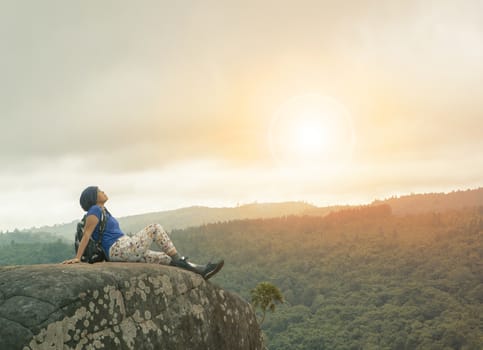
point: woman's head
(92, 195)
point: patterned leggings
(136, 248)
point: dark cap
(88, 197)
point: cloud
(158, 71)
(141, 96)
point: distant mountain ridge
(191, 216)
(199, 215)
(434, 202)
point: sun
(310, 137)
(311, 130)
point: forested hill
(198, 215)
(434, 202)
(192, 216)
(357, 279)
(361, 278)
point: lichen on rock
(120, 306)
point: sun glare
(311, 137)
(311, 130)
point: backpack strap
(102, 226)
(100, 254)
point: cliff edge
(120, 306)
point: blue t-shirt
(112, 232)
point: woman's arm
(91, 223)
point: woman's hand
(71, 261)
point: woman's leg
(136, 248)
(154, 233)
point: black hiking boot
(206, 271)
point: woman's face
(101, 196)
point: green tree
(265, 296)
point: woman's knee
(153, 227)
(157, 227)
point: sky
(169, 104)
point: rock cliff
(120, 306)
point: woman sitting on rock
(120, 247)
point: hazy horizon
(248, 204)
(169, 105)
